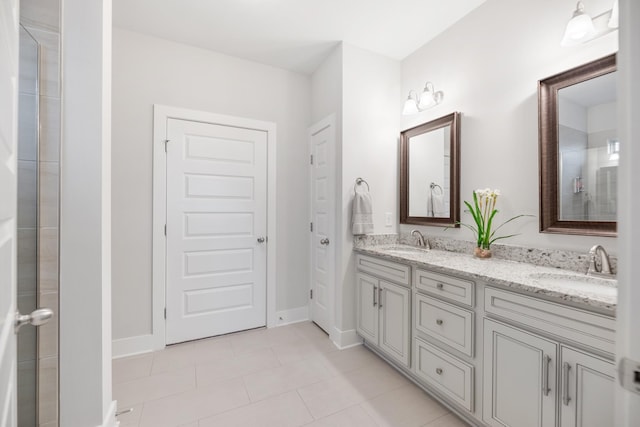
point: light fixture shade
(613, 20)
(410, 106)
(426, 98)
(580, 28)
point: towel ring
(434, 185)
(359, 181)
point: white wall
(85, 216)
(148, 70)
(370, 132)
(628, 315)
(488, 65)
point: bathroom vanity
(501, 343)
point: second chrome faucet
(422, 242)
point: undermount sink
(573, 280)
(406, 250)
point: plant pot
(481, 253)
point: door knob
(261, 239)
(324, 241)
(36, 318)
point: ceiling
(293, 34)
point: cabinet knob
(439, 322)
(439, 371)
(439, 285)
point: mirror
(579, 150)
(430, 172)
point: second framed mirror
(430, 173)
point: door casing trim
(162, 113)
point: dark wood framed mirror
(430, 173)
(579, 150)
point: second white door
(322, 226)
(216, 229)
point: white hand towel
(435, 205)
(361, 212)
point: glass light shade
(410, 106)
(613, 20)
(426, 99)
(580, 28)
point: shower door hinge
(166, 142)
(165, 312)
(311, 293)
(311, 226)
(311, 159)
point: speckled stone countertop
(574, 288)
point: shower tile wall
(41, 18)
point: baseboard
(132, 345)
(345, 339)
(110, 418)
(294, 315)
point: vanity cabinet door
(588, 384)
(367, 307)
(395, 321)
(519, 378)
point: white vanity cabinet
(527, 376)
(384, 308)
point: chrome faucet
(421, 240)
(605, 265)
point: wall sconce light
(581, 28)
(429, 98)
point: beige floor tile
(302, 349)
(285, 410)
(353, 358)
(249, 341)
(212, 349)
(408, 406)
(234, 367)
(131, 368)
(353, 416)
(283, 335)
(272, 382)
(449, 420)
(191, 353)
(310, 330)
(336, 394)
(154, 386)
(131, 419)
(192, 405)
(190, 425)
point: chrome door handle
(36, 318)
(566, 367)
(545, 377)
(324, 241)
(261, 239)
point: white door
(8, 199)
(519, 378)
(216, 229)
(588, 384)
(322, 137)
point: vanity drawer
(443, 286)
(583, 327)
(445, 322)
(395, 272)
(451, 376)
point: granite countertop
(561, 285)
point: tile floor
(287, 376)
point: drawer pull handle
(566, 367)
(380, 297)
(440, 285)
(439, 371)
(439, 322)
(545, 378)
(375, 291)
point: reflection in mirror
(579, 150)
(429, 172)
